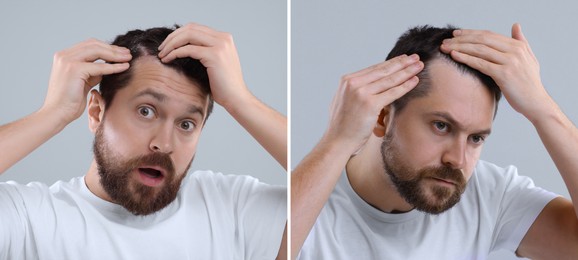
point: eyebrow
(454, 122)
(160, 97)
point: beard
(412, 184)
(120, 184)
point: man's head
(434, 134)
(147, 121)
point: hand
(75, 72)
(509, 61)
(216, 51)
(363, 94)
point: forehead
(149, 74)
(456, 93)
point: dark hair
(425, 41)
(145, 43)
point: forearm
(312, 181)
(20, 138)
(560, 137)
(266, 125)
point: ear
(383, 120)
(96, 108)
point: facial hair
(118, 180)
(412, 184)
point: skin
(357, 104)
(75, 72)
(511, 63)
(446, 127)
(173, 125)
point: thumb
(517, 33)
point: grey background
(32, 31)
(332, 38)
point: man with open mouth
(157, 89)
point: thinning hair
(143, 43)
(425, 41)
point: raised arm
(73, 74)
(354, 113)
(216, 50)
(512, 64)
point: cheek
(185, 152)
(419, 147)
(125, 138)
(472, 159)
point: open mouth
(152, 173)
(151, 176)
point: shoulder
(218, 179)
(228, 183)
(496, 178)
(16, 191)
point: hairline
(424, 85)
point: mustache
(159, 159)
(444, 172)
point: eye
(478, 139)
(441, 126)
(146, 112)
(187, 125)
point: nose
(455, 154)
(162, 139)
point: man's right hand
(363, 94)
(354, 112)
(75, 72)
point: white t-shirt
(214, 216)
(495, 212)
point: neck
(370, 181)
(92, 180)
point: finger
(374, 66)
(191, 51)
(518, 35)
(100, 69)
(496, 41)
(395, 79)
(383, 69)
(188, 26)
(388, 69)
(479, 64)
(92, 50)
(392, 94)
(478, 50)
(193, 37)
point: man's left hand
(509, 61)
(216, 51)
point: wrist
(339, 145)
(54, 119)
(545, 112)
(235, 104)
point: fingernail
(446, 41)
(414, 57)
(457, 32)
